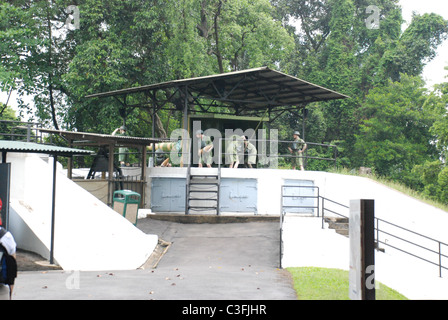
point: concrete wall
(390, 204)
(88, 234)
(267, 181)
(97, 188)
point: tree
(395, 133)
(426, 179)
(35, 54)
(443, 185)
(440, 126)
(244, 34)
(416, 46)
(120, 44)
(8, 114)
(337, 49)
(129, 43)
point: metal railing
(282, 220)
(20, 131)
(389, 234)
(263, 158)
(292, 196)
(429, 248)
(284, 207)
(335, 204)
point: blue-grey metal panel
(301, 198)
(168, 194)
(238, 195)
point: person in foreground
(8, 263)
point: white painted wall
(390, 205)
(306, 244)
(88, 234)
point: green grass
(313, 283)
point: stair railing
(427, 245)
(187, 189)
(325, 209)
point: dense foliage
(391, 122)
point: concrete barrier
(88, 234)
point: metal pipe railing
(264, 143)
(439, 244)
(28, 131)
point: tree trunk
(50, 78)
(218, 51)
(203, 26)
(160, 131)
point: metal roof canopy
(110, 142)
(31, 147)
(246, 92)
(55, 151)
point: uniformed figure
(122, 152)
(161, 159)
(297, 148)
(251, 151)
(234, 151)
(205, 146)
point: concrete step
(342, 232)
(339, 224)
(203, 176)
(202, 211)
(211, 218)
(337, 219)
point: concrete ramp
(88, 234)
(306, 244)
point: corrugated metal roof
(253, 88)
(31, 147)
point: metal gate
(299, 196)
(238, 195)
(168, 194)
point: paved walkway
(205, 261)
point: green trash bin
(126, 203)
